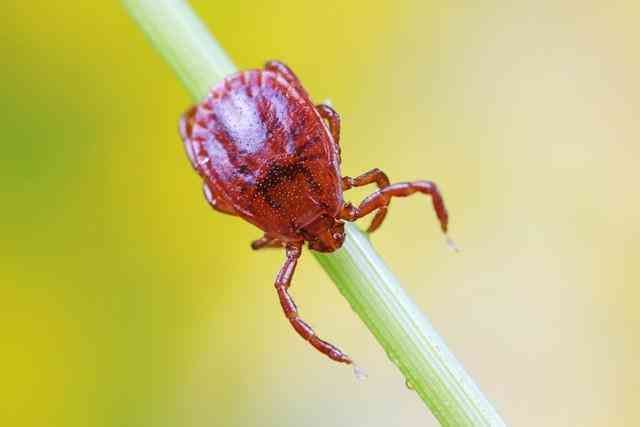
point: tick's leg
(217, 203)
(284, 71)
(185, 127)
(283, 281)
(381, 198)
(333, 118)
(374, 175)
(266, 242)
(381, 180)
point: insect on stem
(359, 273)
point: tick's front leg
(333, 118)
(381, 180)
(283, 281)
(381, 199)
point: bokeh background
(125, 301)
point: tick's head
(325, 234)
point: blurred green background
(125, 301)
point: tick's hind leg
(333, 119)
(381, 199)
(382, 181)
(266, 242)
(282, 69)
(283, 281)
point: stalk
(362, 277)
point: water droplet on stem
(451, 244)
(360, 373)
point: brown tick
(267, 154)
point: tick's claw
(451, 244)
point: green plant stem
(359, 273)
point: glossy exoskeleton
(267, 154)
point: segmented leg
(333, 118)
(381, 180)
(381, 198)
(266, 242)
(217, 203)
(284, 71)
(283, 281)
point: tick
(267, 154)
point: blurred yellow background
(125, 301)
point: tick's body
(266, 154)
